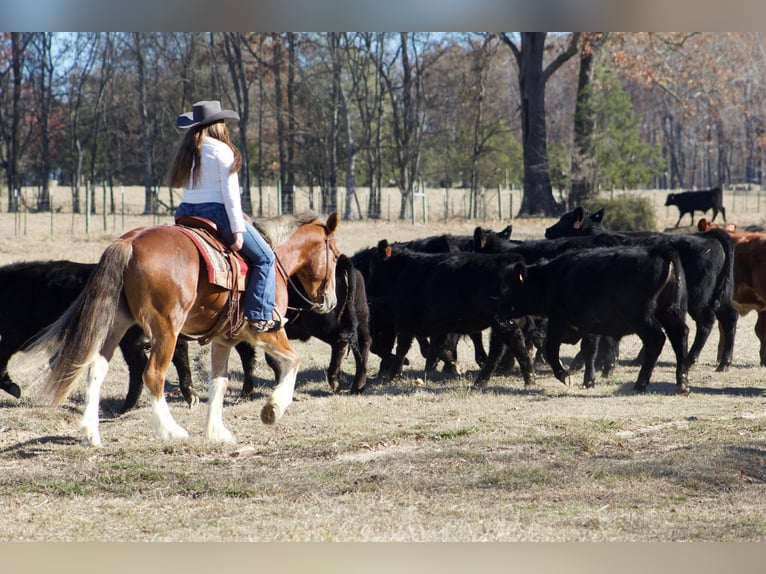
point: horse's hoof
(269, 414)
(222, 435)
(91, 440)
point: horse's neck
(290, 258)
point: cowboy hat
(203, 113)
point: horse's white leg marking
(163, 424)
(214, 427)
(89, 422)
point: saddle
(224, 267)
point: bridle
(330, 248)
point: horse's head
(319, 253)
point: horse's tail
(74, 339)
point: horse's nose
(328, 303)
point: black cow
(535, 250)
(708, 261)
(434, 295)
(606, 291)
(345, 328)
(36, 293)
(691, 201)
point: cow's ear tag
(577, 224)
(521, 277)
(388, 251)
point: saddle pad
(216, 261)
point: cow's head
(488, 241)
(670, 199)
(512, 278)
(575, 223)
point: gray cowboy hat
(203, 113)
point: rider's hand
(239, 240)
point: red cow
(749, 275)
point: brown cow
(749, 275)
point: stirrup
(267, 325)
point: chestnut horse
(153, 277)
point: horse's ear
(332, 222)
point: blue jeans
(260, 289)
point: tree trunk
(583, 132)
(146, 144)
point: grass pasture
(413, 460)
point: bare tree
(532, 77)
(404, 76)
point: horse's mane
(277, 229)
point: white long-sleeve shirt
(216, 183)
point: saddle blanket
(217, 259)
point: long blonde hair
(187, 156)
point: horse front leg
(278, 346)
(215, 430)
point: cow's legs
(181, 363)
(678, 333)
(588, 348)
(246, 354)
(361, 351)
(479, 354)
(704, 322)
(497, 348)
(132, 347)
(552, 350)
(333, 371)
(403, 345)
(727, 328)
(653, 339)
(760, 332)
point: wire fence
(107, 210)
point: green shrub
(625, 213)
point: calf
(708, 261)
(691, 201)
(345, 328)
(36, 293)
(434, 295)
(749, 277)
(606, 291)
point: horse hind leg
(89, 423)
(163, 424)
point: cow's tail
(725, 279)
(72, 341)
(675, 274)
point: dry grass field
(407, 461)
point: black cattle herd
(581, 284)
